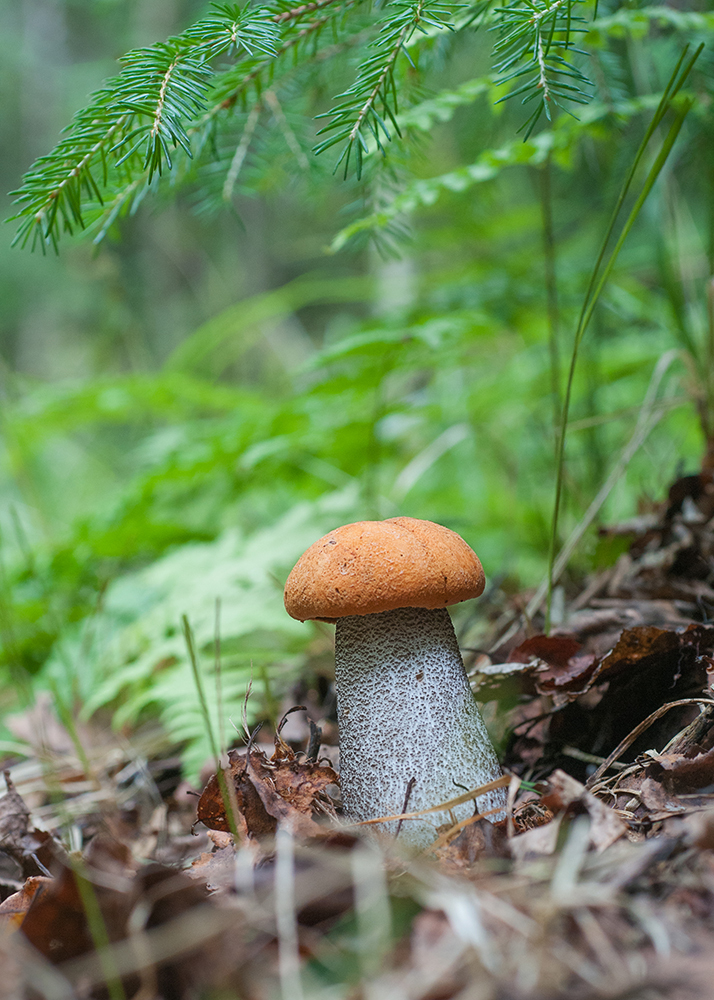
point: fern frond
(536, 40)
(358, 111)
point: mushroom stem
(406, 711)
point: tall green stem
(551, 283)
(599, 278)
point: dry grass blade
(443, 806)
(638, 730)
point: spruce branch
(174, 85)
(301, 11)
(536, 40)
(135, 122)
(230, 88)
(375, 86)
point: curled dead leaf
(14, 908)
(284, 788)
(565, 794)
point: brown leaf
(62, 922)
(537, 841)
(556, 650)
(211, 809)
(14, 908)
(56, 922)
(667, 785)
(575, 676)
(643, 642)
(646, 668)
(480, 839)
(14, 816)
(565, 794)
(33, 850)
(657, 802)
(554, 663)
(681, 775)
(283, 789)
(700, 828)
(216, 869)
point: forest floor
(599, 884)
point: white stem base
(405, 710)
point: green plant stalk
(551, 282)
(709, 353)
(227, 792)
(98, 931)
(709, 363)
(596, 284)
(673, 87)
(582, 327)
(65, 716)
(219, 678)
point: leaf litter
(599, 884)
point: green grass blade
(598, 279)
(230, 804)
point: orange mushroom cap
(374, 566)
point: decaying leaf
(14, 908)
(284, 788)
(659, 786)
(32, 849)
(647, 668)
(84, 907)
(477, 841)
(565, 794)
(216, 868)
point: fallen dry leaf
(216, 868)
(565, 794)
(476, 841)
(82, 906)
(33, 850)
(540, 840)
(284, 788)
(14, 908)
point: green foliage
(172, 100)
(238, 392)
(132, 653)
(604, 265)
(184, 106)
(399, 417)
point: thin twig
(407, 796)
(241, 152)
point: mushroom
(410, 730)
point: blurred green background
(190, 404)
